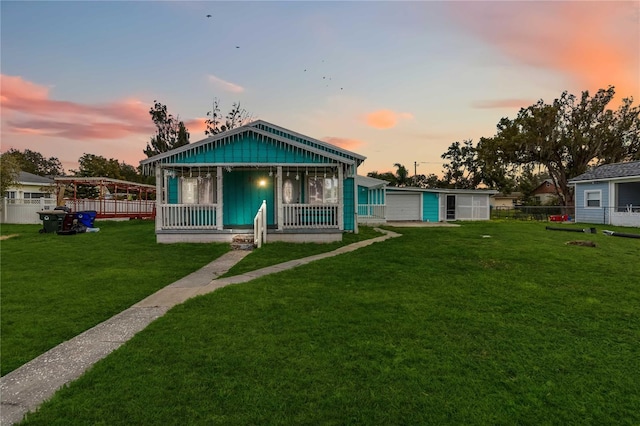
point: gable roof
(371, 183)
(30, 178)
(610, 171)
(262, 130)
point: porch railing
(371, 211)
(260, 225)
(188, 216)
(301, 216)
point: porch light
(262, 182)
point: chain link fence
(539, 213)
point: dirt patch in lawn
(6, 237)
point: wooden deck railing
(113, 208)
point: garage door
(403, 207)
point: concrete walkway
(24, 389)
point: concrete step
(242, 242)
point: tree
(528, 181)
(98, 166)
(388, 176)
(427, 181)
(235, 118)
(9, 171)
(463, 170)
(400, 178)
(171, 133)
(35, 163)
(402, 175)
(565, 137)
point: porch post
(341, 199)
(161, 182)
(219, 200)
(279, 206)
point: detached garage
(437, 205)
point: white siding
(403, 206)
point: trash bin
(51, 220)
(86, 217)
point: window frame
(588, 192)
(327, 197)
(198, 196)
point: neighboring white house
(30, 194)
(609, 194)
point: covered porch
(213, 202)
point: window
(291, 191)
(10, 194)
(592, 198)
(323, 190)
(36, 195)
(197, 191)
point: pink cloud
(225, 85)
(503, 103)
(344, 143)
(28, 109)
(595, 44)
(385, 118)
(197, 125)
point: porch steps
(242, 242)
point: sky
(397, 82)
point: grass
(55, 287)
(440, 326)
(279, 252)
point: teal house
(258, 178)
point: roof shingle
(610, 171)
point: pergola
(114, 199)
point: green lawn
(440, 326)
(54, 287)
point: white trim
(160, 195)
(341, 203)
(592, 191)
(248, 128)
(279, 206)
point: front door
(451, 207)
(244, 191)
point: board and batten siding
(249, 149)
(591, 214)
(350, 208)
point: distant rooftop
(26, 177)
